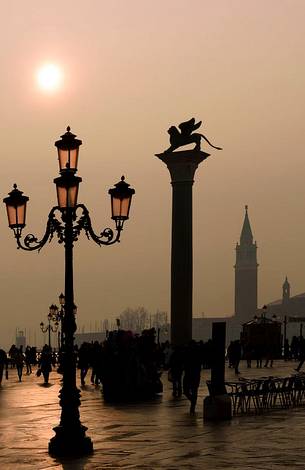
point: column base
(217, 408)
(70, 442)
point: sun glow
(49, 78)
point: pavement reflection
(152, 435)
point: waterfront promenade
(153, 435)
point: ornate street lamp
(51, 318)
(58, 315)
(66, 221)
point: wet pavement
(152, 435)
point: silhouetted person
(176, 371)
(28, 357)
(33, 357)
(230, 352)
(248, 353)
(95, 362)
(3, 363)
(167, 352)
(128, 366)
(301, 353)
(11, 354)
(258, 355)
(19, 361)
(269, 355)
(286, 350)
(294, 348)
(45, 362)
(235, 355)
(84, 353)
(192, 370)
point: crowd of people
(17, 359)
(264, 355)
(128, 367)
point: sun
(49, 77)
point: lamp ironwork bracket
(56, 225)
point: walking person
(84, 355)
(269, 355)
(236, 355)
(258, 355)
(192, 371)
(28, 357)
(19, 361)
(176, 370)
(230, 352)
(45, 363)
(301, 353)
(3, 363)
(287, 356)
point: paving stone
(152, 435)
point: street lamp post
(50, 327)
(58, 315)
(66, 221)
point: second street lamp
(58, 316)
(66, 221)
(49, 327)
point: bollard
(217, 406)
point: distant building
(245, 289)
(263, 334)
(287, 305)
(245, 274)
(290, 309)
(20, 339)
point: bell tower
(246, 274)
(286, 292)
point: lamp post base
(70, 442)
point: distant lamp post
(57, 316)
(264, 311)
(50, 328)
(61, 299)
(66, 221)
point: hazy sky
(131, 69)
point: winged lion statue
(185, 136)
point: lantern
(16, 208)
(68, 148)
(121, 196)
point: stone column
(182, 166)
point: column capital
(183, 164)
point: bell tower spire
(246, 237)
(286, 292)
(246, 273)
